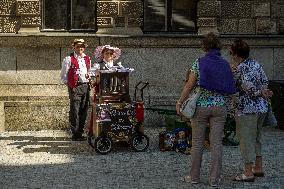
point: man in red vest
(74, 73)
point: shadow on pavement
(52, 145)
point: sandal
(257, 174)
(244, 178)
(187, 179)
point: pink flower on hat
(99, 56)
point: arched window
(169, 16)
(68, 15)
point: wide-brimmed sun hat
(79, 42)
(99, 56)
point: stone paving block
(48, 159)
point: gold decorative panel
(104, 21)
(6, 7)
(28, 7)
(132, 8)
(1, 25)
(107, 8)
(31, 21)
(9, 24)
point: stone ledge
(120, 30)
(127, 41)
(25, 113)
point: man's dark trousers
(79, 102)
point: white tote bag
(189, 105)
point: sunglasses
(80, 46)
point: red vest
(72, 76)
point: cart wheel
(139, 142)
(103, 145)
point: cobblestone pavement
(48, 159)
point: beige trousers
(248, 128)
(215, 117)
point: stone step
(20, 113)
(28, 113)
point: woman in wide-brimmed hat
(106, 56)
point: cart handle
(144, 84)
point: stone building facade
(31, 95)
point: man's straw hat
(79, 42)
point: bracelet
(179, 103)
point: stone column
(119, 17)
(29, 11)
(208, 12)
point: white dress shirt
(81, 72)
